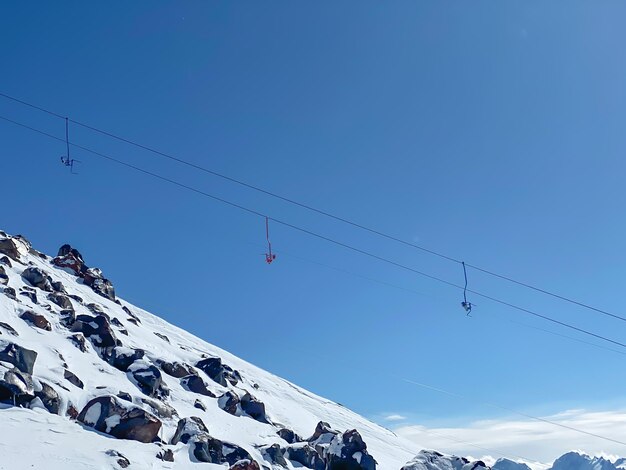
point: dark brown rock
(36, 320)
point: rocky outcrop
(14, 247)
(73, 379)
(121, 358)
(219, 372)
(245, 464)
(229, 402)
(274, 454)
(49, 398)
(119, 419)
(72, 261)
(187, 429)
(176, 369)
(208, 449)
(16, 386)
(289, 436)
(305, 455)
(93, 278)
(431, 460)
(61, 300)
(253, 408)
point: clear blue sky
(490, 131)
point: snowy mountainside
(578, 461)
(80, 367)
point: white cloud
(394, 418)
(534, 441)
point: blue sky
(492, 132)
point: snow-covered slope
(151, 375)
(577, 461)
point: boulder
(306, 455)
(166, 455)
(163, 337)
(109, 415)
(6, 261)
(96, 309)
(230, 403)
(195, 384)
(121, 358)
(160, 408)
(348, 451)
(36, 320)
(13, 248)
(4, 279)
(10, 293)
(72, 378)
(70, 260)
(218, 372)
(253, 408)
(274, 454)
(187, 429)
(289, 436)
(16, 386)
(125, 396)
(245, 464)
(97, 329)
(79, 341)
(61, 300)
(22, 358)
(49, 397)
(31, 294)
(148, 378)
(198, 404)
(99, 284)
(208, 449)
(37, 278)
(176, 369)
(323, 434)
(57, 286)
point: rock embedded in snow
(49, 398)
(124, 421)
(348, 452)
(245, 464)
(176, 369)
(189, 428)
(506, 464)
(431, 460)
(208, 449)
(97, 329)
(61, 300)
(38, 321)
(122, 358)
(8, 328)
(195, 384)
(4, 278)
(289, 436)
(73, 379)
(10, 293)
(305, 455)
(219, 372)
(229, 402)
(274, 454)
(148, 379)
(79, 341)
(22, 358)
(14, 247)
(16, 386)
(253, 408)
(6, 261)
(37, 278)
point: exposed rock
(220, 373)
(72, 412)
(22, 358)
(79, 341)
(97, 309)
(99, 284)
(6, 261)
(70, 260)
(13, 248)
(10, 293)
(30, 294)
(163, 337)
(61, 300)
(36, 320)
(348, 451)
(189, 428)
(166, 455)
(253, 407)
(431, 460)
(195, 384)
(148, 379)
(274, 454)
(160, 408)
(4, 279)
(245, 464)
(72, 378)
(16, 386)
(121, 460)
(289, 436)
(305, 455)
(125, 396)
(57, 286)
(131, 314)
(198, 404)
(8, 328)
(37, 278)
(76, 298)
(121, 358)
(323, 434)
(211, 450)
(97, 329)
(107, 414)
(49, 397)
(229, 402)
(116, 322)
(176, 369)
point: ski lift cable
(510, 410)
(319, 211)
(321, 237)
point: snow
(60, 440)
(93, 413)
